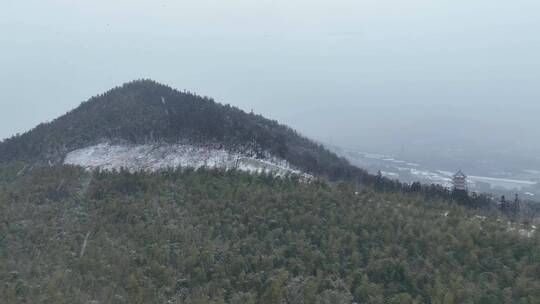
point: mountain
(147, 125)
(144, 235)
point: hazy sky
(365, 73)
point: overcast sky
(360, 73)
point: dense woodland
(209, 236)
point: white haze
(417, 78)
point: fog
(415, 78)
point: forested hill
(144, 111)
(215, 236)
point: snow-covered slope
(153, 157)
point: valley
(525, 182)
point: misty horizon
(384, 77)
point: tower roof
(460, 174)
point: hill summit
(144, 125)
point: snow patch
(510, 182)
(524, 231)
(154, 157)
(390, 174)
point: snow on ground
(390, 174)
(446, 173)
(373, 155)
(432, 176)
(527, 232)
(521, 229)
(503, 182)
(524, 231)
(153, 157)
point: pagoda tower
(460, 181)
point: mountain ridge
(144, 111)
